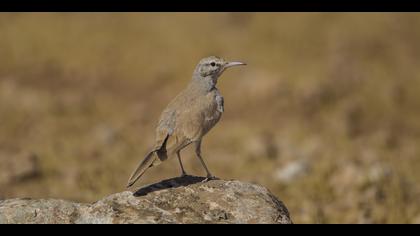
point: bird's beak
(234, 63)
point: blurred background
(326, 114)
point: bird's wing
(166, 127)
(164, 137)
(170, 133)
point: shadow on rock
(169, 183)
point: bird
(188, 117)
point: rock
(177, 200)
(291, 171)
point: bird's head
(210, 68)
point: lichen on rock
(177, 200)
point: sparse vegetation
(337, 91)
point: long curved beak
(234, 63)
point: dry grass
(338, 92)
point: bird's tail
(141, 169)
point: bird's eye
(213, 64)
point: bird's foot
(184, 174)
(208, 178)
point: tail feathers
(148, 162)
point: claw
(208, 178)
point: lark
(188, 117)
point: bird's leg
(198, 153)
(180, 163)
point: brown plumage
(188, 117)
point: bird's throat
(204, 84)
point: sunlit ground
(326, 114)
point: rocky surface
(177, 200)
